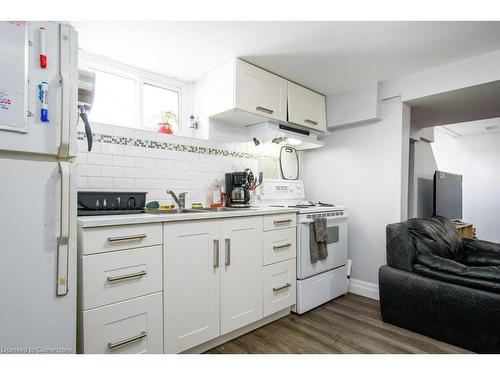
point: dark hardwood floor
(349, 324)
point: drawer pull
(266, 110)
(276, 222)
(114, 345)
(310, 122)
(127, 238)
(284, 246)
(216, 254)
(286, 286)
(134, 275)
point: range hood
(274, 132)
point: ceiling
(467, 104)
(473, 127)
(326, 56)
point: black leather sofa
(440, 285)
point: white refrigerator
(38, 187)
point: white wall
(477, 158)
(361, 167)
(366, 166)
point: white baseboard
(363, 288)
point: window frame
(141, 77)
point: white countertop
(107, 220)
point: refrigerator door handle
(63, 243)
(64, 81)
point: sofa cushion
(436, 236)
(491, 273)
(480, 284)
(480, 253)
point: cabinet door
(191, 284)
(241, 275)
(306, 107)
(260, 92)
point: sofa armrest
(399, 246)
(480, 253)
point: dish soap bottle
(216, 195)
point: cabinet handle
(216, 254)
(114, 345)
(276, 222)
(286, 286)
(266, 110)
(128, 276)
(279, 247)
(228, 251)
(310, 122)
(127, 238)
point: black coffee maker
(237, 193)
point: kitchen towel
(318, 240)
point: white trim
(363, 288)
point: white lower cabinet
(198, 281)
(191, 284)
(213, 279)
(133, 326)
(241, 272)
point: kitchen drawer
(117, 276)
(102, 239)
(130, 327)
(279, 286)
(279, 245)
(280, 221)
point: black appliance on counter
(237, 192)
(110, 203)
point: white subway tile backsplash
(88, 170)
(182, 164)
(135, 172)
(165, 164)
(81, 157)
(82, 182)
(144, 162)
(99, 159)
(100, 182)
(112, 171)
(123, 183)
(123, 161)
(110, 148)
(128, 159)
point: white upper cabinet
(306, 107)
(260, 92)
(244, 94)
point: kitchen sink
(174, 211)
(224, 209)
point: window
(161, 108)
(130, 97)
(115, 100)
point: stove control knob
(291, 187)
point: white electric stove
(326, 279)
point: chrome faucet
(181, 201)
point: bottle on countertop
(217, 200)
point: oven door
(337, 247)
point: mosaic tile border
(126, 141)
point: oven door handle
(328, 219)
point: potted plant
(168, 119)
